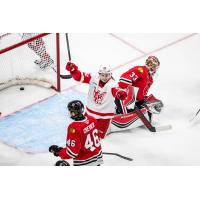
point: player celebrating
(101, 94)
(142, 78)
(83, 144)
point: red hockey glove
(71, 67)
(55, 149)
(121, 94)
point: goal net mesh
(29, 58)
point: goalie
(141, 77)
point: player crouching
(82, 143)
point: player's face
(105, 77)
(71, 114)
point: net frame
(34, 81)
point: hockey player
(39, 47)
(142, 78)
(101, 94)
(82, 144)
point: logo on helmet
(105, 69)
(152, 64)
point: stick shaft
(68, 47)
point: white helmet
(103, 69)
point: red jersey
(139, 77)
(83, 144)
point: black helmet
(77, 107)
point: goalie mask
(152, 64)
(76, 110)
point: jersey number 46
(92, 140)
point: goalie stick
(148, 124)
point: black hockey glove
(54, 149)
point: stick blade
(68, 76)
(164, 128)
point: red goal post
(30, 58)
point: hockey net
(30, 58)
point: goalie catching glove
(153, 105)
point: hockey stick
(65, 163)
(119, 155)
(194, 116)
(68, 76)
(68, 48)
(148, 124)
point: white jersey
(100, 101)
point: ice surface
(177, 84)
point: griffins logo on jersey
(98, 96)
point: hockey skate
(44, 64)
(49, 63)
(41, 63)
